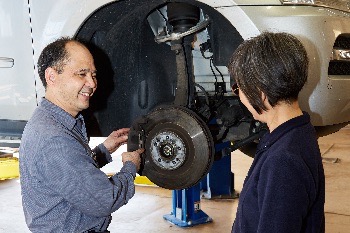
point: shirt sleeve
(71, 173)
(282, 194)
(103, 156)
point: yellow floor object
(9, 168)
(140, 180)
(143, 180)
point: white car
(162, 70)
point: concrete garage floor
(144, 213)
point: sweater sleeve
(282, 194)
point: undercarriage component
(176, 35)
(181, 22)
(238, 144)
(184, 18)
(179, 147)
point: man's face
(74, 87)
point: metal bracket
(176, 36)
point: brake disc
(179, 149)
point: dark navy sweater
(284, 190)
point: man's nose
(91, 80)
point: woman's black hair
(275, 64)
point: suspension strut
(182, 17)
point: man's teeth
(85, 94)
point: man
(63, 189)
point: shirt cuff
(129, 167)
(101, 149)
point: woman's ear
(265, 101)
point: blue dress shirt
(63, 189)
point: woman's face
(250, 108)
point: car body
(138, 72)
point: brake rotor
(179, 149)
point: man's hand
(134, 157)
(116, 139)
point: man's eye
(82, 75)
(85, 74)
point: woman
(284, 190)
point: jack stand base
(186, 209)
(201, 219)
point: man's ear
(50, 75)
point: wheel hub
(167, 150)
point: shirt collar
(270, 138)
(59, 114)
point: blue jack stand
(186, 208)
(218, 183)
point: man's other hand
(116, 139)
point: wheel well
(136, 74)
